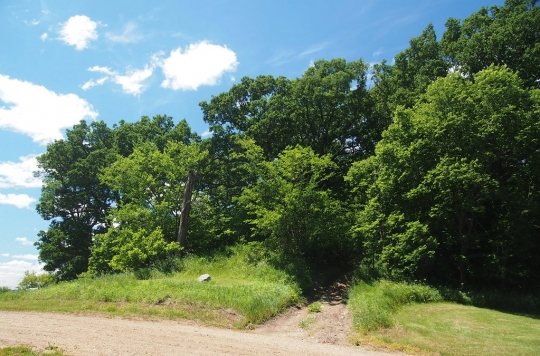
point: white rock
(205, 278)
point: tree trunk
(186, 207)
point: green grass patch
(240, 293)
(26, 351)
(453, 329)
(306, 322)
(314, 307)
(373, 305)
(417, 319)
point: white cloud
(35, 111)
(19, 174)
(78, 31)
(317, 48)
(128, 36)
(206, 134)
(99, 69)
(4, 254)
(378, 52)
(27, 257)
(12, 272)
(19, 200)
(44, 36)
(92, 83)
(201, 63)
(24, 241)
(132, 82)
(34, 22)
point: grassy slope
(239, 294)
(390, 315)
(453, 329)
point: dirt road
(83, 335)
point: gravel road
(89, 335)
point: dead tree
(186, 207)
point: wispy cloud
(32, 23)
(132, 82)
(19, 174)
(129, 35)
(27, 257)
(314, 49)
(93, 83)
(21, 201)
(378, 52)
(44, 36)
(24, 241)
(35, 111)
(206, 134)
(287, 56)
(201, 63)
(78, 31)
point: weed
(314, 308)
(306, 323)
(25, 351)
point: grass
(239, 294)
(416, 319)
(453, 329)
(307, 322)
(26, 351)
(373, 305)
(314, 307)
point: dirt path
(297, 332)
(83, 335)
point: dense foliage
(428, 170)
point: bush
(33, 280)
(4, 289)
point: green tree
(501, 35)
(290, 208)
(73, 197)
(327, 109)
(33, 280)
(144, 223)
(450, 194)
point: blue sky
(62, 61)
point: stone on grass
(205, 278)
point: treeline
(424, 169)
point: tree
(33, 280)
(506, 35)
(327, 109)
(73, 197)
(144, 223)
(290, 208)
(450, 195)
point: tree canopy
(424, 169)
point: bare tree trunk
(186, 207)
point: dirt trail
(297, 332)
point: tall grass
(242, 292)
(373, 305)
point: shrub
(34, 280)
